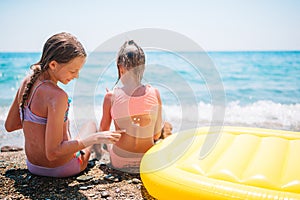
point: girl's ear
(121, 70)
(53, 65)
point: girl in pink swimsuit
(40, 108)
(134, 108)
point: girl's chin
(65, 82)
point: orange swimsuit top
(136, 114)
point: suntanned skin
(128, 142)
(50, 145)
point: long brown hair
(131, 56)
(62, 48)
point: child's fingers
(114, 140)
(116, 135)
(120, 131)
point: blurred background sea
(254, 89)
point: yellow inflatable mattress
(244, 163)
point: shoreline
(17, 182)
(16, 138)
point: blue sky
(213, 24)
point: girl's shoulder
(152, 89)
(52, 93)
(109, 94)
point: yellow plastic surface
(245, 163)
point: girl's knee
(85, 160)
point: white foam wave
(264, 114)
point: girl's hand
(108, 137)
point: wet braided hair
(132, 57)
(62, 48)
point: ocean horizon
(249, 88)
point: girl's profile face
(68, 71)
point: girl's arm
(13, 121)
(55, 143)
(106, 117)
(56, 146)
(158, 125)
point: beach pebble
(104, 194)
(91, 194)
(90, 186)
(102, 163)
(114, 178)
(83, 188)
(136, 181)
(84, 178)
(91, 163)
(117, 179)
(11, 148)
(129, 181)
(108, 177)
(28, 177)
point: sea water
(253, 89)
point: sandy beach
(98, 181)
